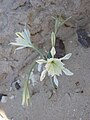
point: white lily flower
(54, 66)
(23, 40)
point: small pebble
(70, 41)
(77, 83)
(4, 99)
(12, 97)
(79, 90)
(17, 86)
(49, 94)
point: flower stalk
(53, 66)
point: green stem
(41, 53)
(31, 67)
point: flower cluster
(53, 66)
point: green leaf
(56, 25)
(49, 55)
(53, 39)
(59, 21)
(26, 94)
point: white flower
(54, 66)
(22, 40)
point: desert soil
(71, 101)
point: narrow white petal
(53, 51)
(42, 75)
(66, 56)
(19, 48)
(27, 34)
(41, 61)
(16, 44)
(56, 81)
(67, 72)
(19, 34)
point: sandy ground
(71, 101)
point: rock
(49, 94)
(12, 97)
(77, 83)
(78, 90)
(60, 48)
(3, 98)
(16, 84)
(83, 37)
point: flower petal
(53, 51)
(27, 36)
(49, 67)
(19, 48)
(19, 34)
(42, 75)
(66, 57)
(67, 72)
(41, 61)
(55, 81)
(16, 44)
